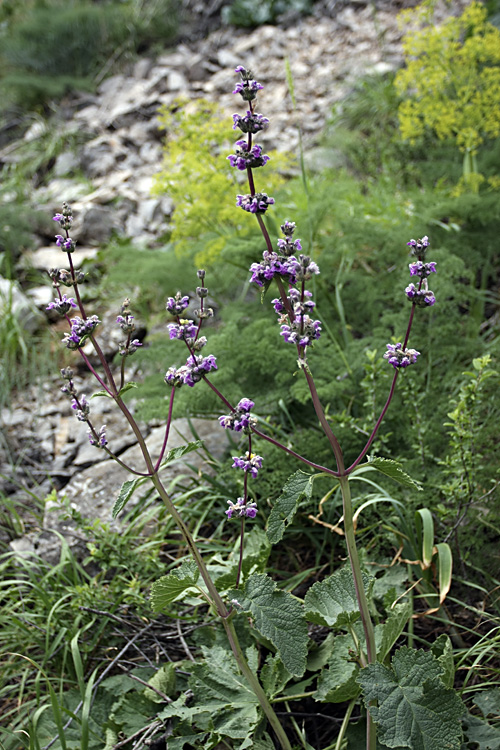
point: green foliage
(201, 188)
(299, 485)
(414, 708)
(452, 82)
(278, 617)
(333, 602)
(55, 47)
(249, 13)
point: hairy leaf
(279, 617)
(181, 450)
(333, 602)
(478, 731)
(223, 702)
(393, 470)
(386, 634)
(168, 588)
(338, 683)
(415, 709)
(297, 486)
(126, 491)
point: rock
(94, 224)
(52, 257)
(66, 163)
(14, 302)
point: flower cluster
(176, 305)
(65, 218)
(81, 407)
(80, 331)
(250, 463)
(252, 122)
(62, 305)
(184, 330)
(98, 439)
(399, 357)
(66, 243)
(288, 246)
(192, 372)
(273, 264)
(255, 204)
(246, 87)
(61, 276)
(420, 295)
(241, 508)
(240, 419)
(247, 158)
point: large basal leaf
(337, 683)
(415, 710)
(167, 588)
(274, 676)
(393, 470)
(333, 602)
(483, 735)
(296, 487)
(223, 702)
(277, 616)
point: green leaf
(168, 588)
(333, 602)
(415, 709)
(223, 702)
(277, 616)
(337, 683)
(297, 486)
(488, 701)
(480, 733)
(128, 387)
(126, 491)
(387, 634)
(442, 649)
(393, 470)
(100, 394)
(224, 571)
(274, 676)
(425, 534)
(163, 680)
(180, 451)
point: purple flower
(101, 441)
(240, 419)
(399, 357)
(65, 218)
(422, 269)
(63, 305)
(273, 265)
(183, 330)
(252, 122)
(176, 305)
(243, 158)
(241, 509)
(307, 268)
(423, 297)
(126, 351)
(419, 247)
(82, 408)
(66, 243)
(255, 204)
(247, 87)
(303, 331)
(192, 372)
(249, 463)
(80, 330)
(126, 323)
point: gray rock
(94, 224)
(66, 163)
(13, 301)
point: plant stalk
(255, 685)
(371, 651)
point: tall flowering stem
(289, 268)
(195, 369)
